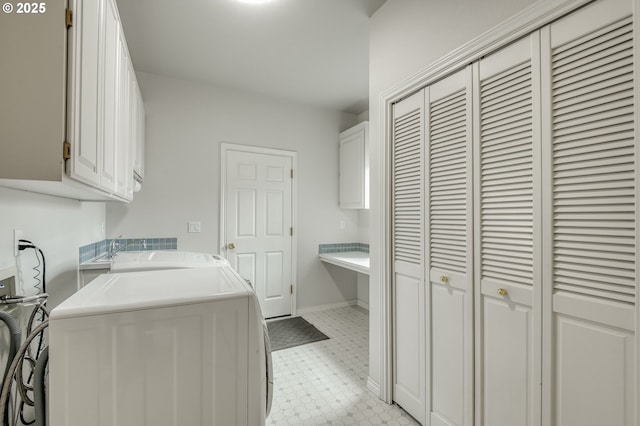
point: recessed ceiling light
(255, 1)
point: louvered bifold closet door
(592, 195)
(450, 250)
(409, 388)
(508, 236)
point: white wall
(406, 37)
(186, 123)
(58, 226)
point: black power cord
(23, 245)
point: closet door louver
(593, 165)
(592, 229)
(409, 388)
(407, 188)
(508, 243)
(449, 299)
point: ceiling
(310, 51)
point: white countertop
(101, 263)
(354, 260)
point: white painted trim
(224, 147)
(362, 304)
(373, 386)
(477, 294)
(385, 386)
(528, 20)
(317, 308)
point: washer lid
(111, 293)
(164, 259)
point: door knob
(444, 278)
(502, 292)
(231, 246)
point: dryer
(171, 347)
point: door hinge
(68, 17)
(66, 150)
(291, 289)
(291, 173)
(291, 231)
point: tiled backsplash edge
(93, 250)
(342, 247)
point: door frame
(529, 19)
(225, 147)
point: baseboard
(374, 387)
(362, 304)
(316, 308)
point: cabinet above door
(354, 167)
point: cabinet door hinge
(291, 173)
(68, 16)
(291, 231)
(66, 150)
(291, 289)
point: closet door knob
(231, 246)
(444, 279)
(502, 292)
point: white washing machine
(164, 259)
(159, 348)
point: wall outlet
(193, 227)
(17, 236)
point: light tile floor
(325, 383)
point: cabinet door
(409, 375)
(590, 164)
(110, 66)
(124, 165)
(84, 121)
(354, 168)
(508, 243)
(139, 120)
(450, 251)
(133, 125)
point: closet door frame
(535, 16)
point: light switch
(193, 226)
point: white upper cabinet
(137, 128)
(83, 145)
(354, 167)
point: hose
(17, 360)
(39, 393)
(14, 343)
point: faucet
(115, 247)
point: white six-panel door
(259, 226)
(409, 376)
(450, 251)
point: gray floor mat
(291, 332)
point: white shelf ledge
(354, 260)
